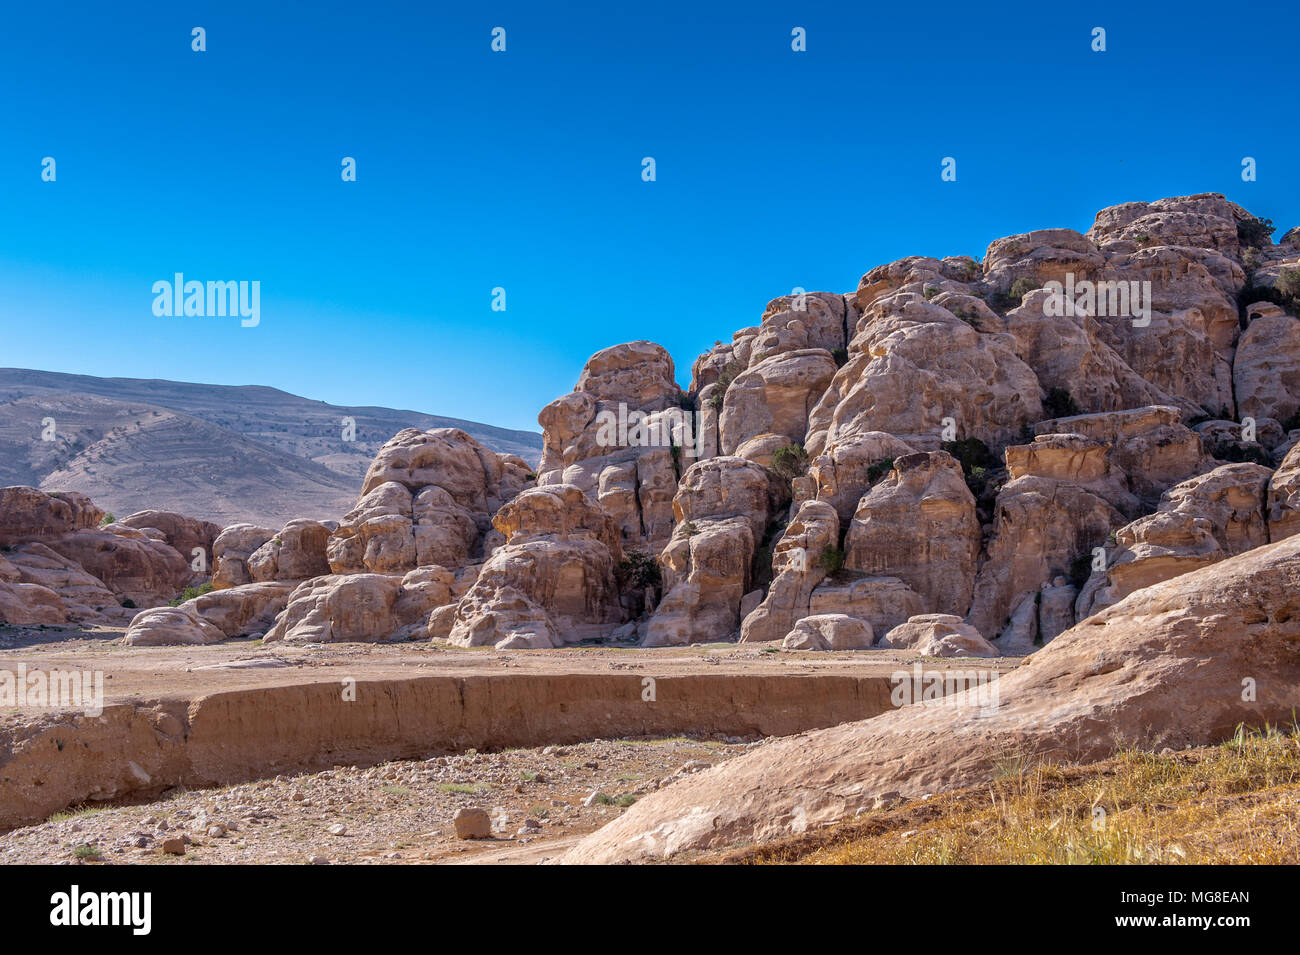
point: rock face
(919, 525)
(775, 396)
(1200, 521)
(883, 602)
(847, 469)
(918, 368)
(428, 499)
(1121, 678)
(27, 514)
(231, 551)
(614, 437)
(183, 534)
(1266, 370)
(722, 508)
(338, 608)
(1149, 446)
(296, 553)
(1040, 527)
(552, 582)
(799, 563)
(242, 610)
(1284, 497)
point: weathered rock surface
(231, 551)
(830, 631)
(722, 506)
(184, 534)
(552, 582)
(775, 396)
(1040, 527)
(1200, 521)
(1266, 370)
(917, 366)
(798, 561)
(166, 626)
(919, 525)
(296, 553)
(614, 438)
(28, 514)
(1284, 497)
(427, 499)
(938, 635)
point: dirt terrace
(202, 717)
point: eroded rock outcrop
(722, 507)
(552, 582)
(428, 499)
(622, 436)
(919, 525)
(1201, 521)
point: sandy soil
(393, 813)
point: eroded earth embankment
(223, 726)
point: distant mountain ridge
(224, 453)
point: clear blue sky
(522, 170)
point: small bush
(790, 461)
(1081, 569)
(189, 593)
(1022, 287)
(128, 603)
(841, 356)
(107, 519)
(879, 469)
(690, 529)
(1255, 233)
(1059, 403)
(971, 453)
(725, 378)
(832, 560)
(640, 570)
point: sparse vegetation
(1059, 403)
(107, 519)
(879, 469)
(725, 378)
(639, 570)
(189, 593)
(832, 560)
(841, 356)
(690, 529)
(1255, 233)
(1234, 802)
(790, 461)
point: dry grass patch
(1238, 802)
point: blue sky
(522, 170)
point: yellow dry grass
(1238, 802)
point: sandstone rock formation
(162, 626)
(1201, 521)
(427, 499)
(938, 635)
(722, 507)
(552, 582)
(799, 562)
(919, 525)
(622, 436)
(829, 631)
